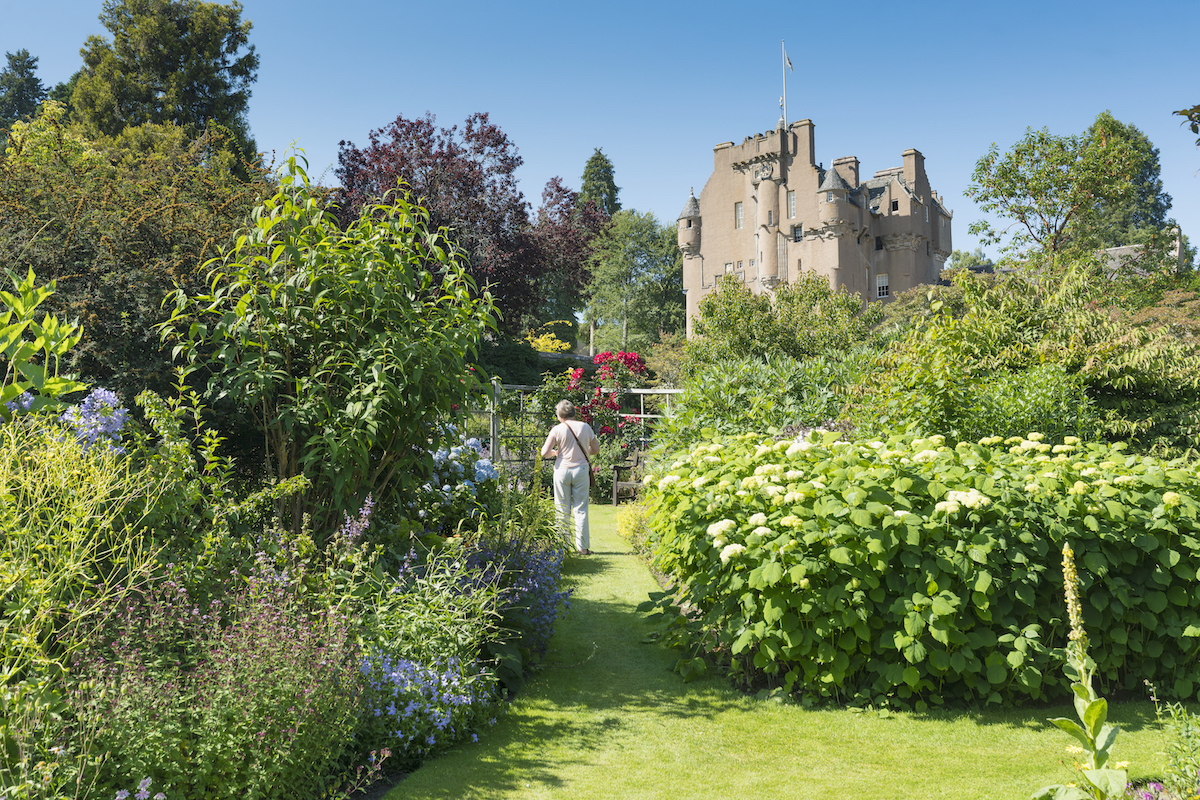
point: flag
(788, 60)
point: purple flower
(98, 419)
(22, 403)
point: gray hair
(565, 409)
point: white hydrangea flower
(817, 484)
(970, 498)
(1080, 488)
(648, 478)
(678, 464)
(712, 459)
(875, 445)
(1063, 448)
(925, 456)
(781, 446)
(791, 498)
(1035, 436)
(758, 519)
(794, 474)
(949, 506)
(799, 447)
(1108, 464)
(937, 440)
(1172, 499)
(750, 483)
(762, 450)
(770, 490)
(667, 481)
(696, 484)
(730, 551)
(1070, 440)
(1124, 479)
(720, 527)
(791, 521)
(1089, 472)
(1032, 488)
(742, 493)
(988, 441)
(719, 542)
(761, 530)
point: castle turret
(689, 226)
(833, 198)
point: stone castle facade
(769, 211)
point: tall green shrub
(910, 572)
(349, 347)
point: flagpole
(783, 68)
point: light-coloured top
(562, 444)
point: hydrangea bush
(908, 572)
(465, 484)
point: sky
(657, 84)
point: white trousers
(571, 495)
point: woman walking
(570, 442)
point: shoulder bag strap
(585, 455)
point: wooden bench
(629, 487)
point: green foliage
(801, 318)
(169, 61)
(599, 185)
(253, 694)
(1118, 224)
(905, 572)
(1055, 189)
(512, 360)
(1181, 732)
(117, 224)
(1191, 118)
(21, 92)
(33, 350)
(741, 395)
(960, 375)
(961, 259)
(637, 280)
(349, 347)
(1098, 781)
(633, 525)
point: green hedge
(906, 572)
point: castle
(771, 212)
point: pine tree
(599, 186)
(21, 92)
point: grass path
(605, 719)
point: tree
(467, 181)
(961, 259)
(562, 239)
(350, 347)
(637, 276)
(599, 186)
(1131, 222)
(1054, 188)
(1191, 118)
(21, 92)
(118, 223)
(185, 62)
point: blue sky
(657, 84)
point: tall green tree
(21, 92)
(637, 278)
(1131, 222)
(1055, 189)
(185, 62)
(599, 185)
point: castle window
(798, 232)
(895, 205)
(729, 266)
(878, 242)
(737, 216)
(739, 265)
(881, 286)
(927, 247)
(770, 218)
(689, 223)
(927, 213)
(791, 205)
(829, 197)
(752, 263)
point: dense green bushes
(909, 572)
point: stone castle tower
(772, 212)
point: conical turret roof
(833, 181)
(692, 207)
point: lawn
(605, 719)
